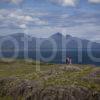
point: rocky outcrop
(33, 90)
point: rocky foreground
(19, 80)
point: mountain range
(56, 41)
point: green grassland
(14, 73)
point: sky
(42, 18)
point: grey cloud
(94, 1)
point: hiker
(68, 60)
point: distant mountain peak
(18, 34)
(68, 36)
(57, 35)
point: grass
(49, 75)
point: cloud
(19, 19)
(11, 1)
(64, 2)
(60, 2)
(23, 26)
(82, 24)
(94, 1)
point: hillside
(19, 80)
